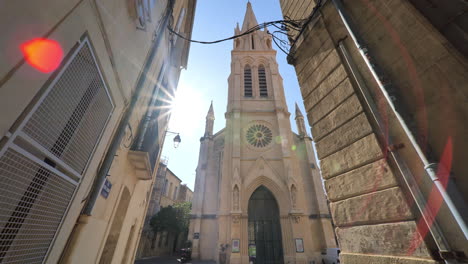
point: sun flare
(188, 109)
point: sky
(205, 79)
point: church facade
(258, 190)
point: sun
(188, 108)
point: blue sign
(106, 188)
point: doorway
(264, 227)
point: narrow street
(234, 132)
(168, 260)
(159, 260)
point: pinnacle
(210, 114)
(249, 19)
(298, 111)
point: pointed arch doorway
(264, 227)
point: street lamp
(176, 139)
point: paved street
(168, 260)
(159, 260)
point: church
(258, 190)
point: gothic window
(259, 135)
(253, 42)
(262, 82)
(247, 81)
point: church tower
(257, 184)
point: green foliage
(172, 218)
(183, 215)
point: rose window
(259, 136)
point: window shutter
(262, 82)
(43, 161)
(247, 82)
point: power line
(287, 23)
(284, 27)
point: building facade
(257, 185)
(385, 85)
(167, 191)
(185, 194)
(171, 189)
(83, 91)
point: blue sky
(206, 79)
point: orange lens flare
(44, 55)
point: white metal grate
(71, 117)
(33, 200)
(43, 161)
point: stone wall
(373, 212)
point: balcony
(145, 149)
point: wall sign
(235, 246)
(106, 188)
(252, 251)
(299, 245)
(196, 235)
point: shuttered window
(247, 82)
(262, 83)
(44, 159)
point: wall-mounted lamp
(176, 139)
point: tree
(172, 219)
(183, 215)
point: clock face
(259, 135)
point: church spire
(298, 112)
(249, 19)
(209, 121)
(300, 122)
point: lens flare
(44, 55)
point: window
(179, 24)
(247, 81)
(253, 42)
(165, 187)
(43, 161)
(170, 190)
(262, 82)
(175, 194)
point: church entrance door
(264, 227)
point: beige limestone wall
(111, 30)
(363, 189)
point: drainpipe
(429, 167)
(114, 146)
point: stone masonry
(375, 218)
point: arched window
(247, 81)
(262, 82)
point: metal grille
(44, 159)
(33, 200)
(247, 82)
(264, 227)
(262, 82)
(70, 119)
